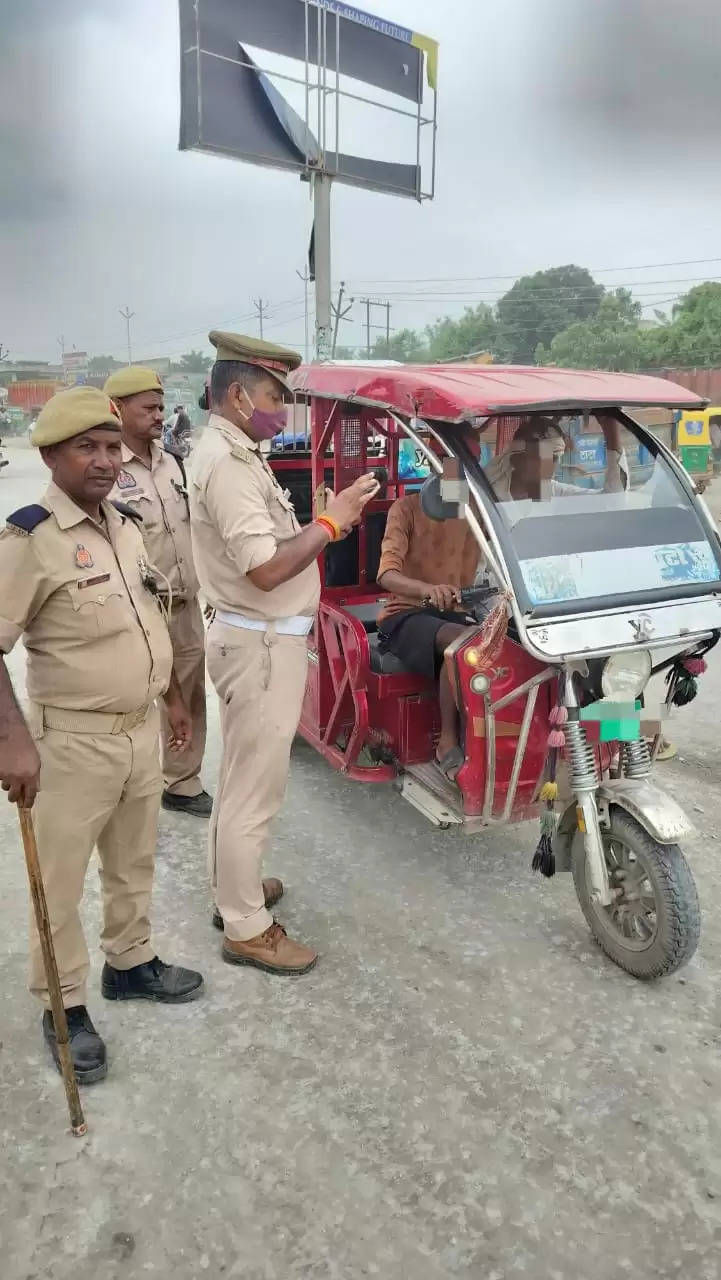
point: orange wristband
(331, 525)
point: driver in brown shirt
(424, 564)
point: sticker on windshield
(592, 574)
(686, 562)
(549, 579)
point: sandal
(450, 763)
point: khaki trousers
(260, 680)
(96, 789)
(181, 770)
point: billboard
(232, 105)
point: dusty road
(463, 1087)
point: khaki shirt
(239, 515)
(95, 637)
(157, 493)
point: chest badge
(125, 480)
(83, 558)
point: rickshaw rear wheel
(653, 925)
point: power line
(517, 275)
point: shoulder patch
(241, 453)
(25, 519)
(128, 511)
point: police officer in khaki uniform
(73, 584)
(258, 570)
(153, 483)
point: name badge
(94, 582)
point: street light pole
(127, 315)
(305, 277)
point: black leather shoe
(153, 981)
(87, 1050)
(201, 806)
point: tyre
(653, 925)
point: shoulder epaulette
(126, 510)
(25, 519)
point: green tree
(192, 362)
(609, 340)
(538, 307)
(405, 345)
(693, 337)
(476, 330)
(103, 364)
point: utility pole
(127, 315)
(386, 306)
(338, 315)
(4, 353)
(260, 307)
(61, 344)
(321, 226)
(305, 277)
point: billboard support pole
(321, 209)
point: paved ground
(463, 1087)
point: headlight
(625, 675)
(479, 683)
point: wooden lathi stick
(37, 892)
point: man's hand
(180, 737)
(443, 597)
(20, 768)
(346, 508)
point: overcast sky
(569, 131)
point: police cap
(275, 361)
(71, 412)
(131, 381)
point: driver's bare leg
(449, 712)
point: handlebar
(469, 596)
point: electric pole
(305, 277)
(127, 315)
(386, 306)
(338, 315)
(4, 353)
(261, 307)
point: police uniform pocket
(100, 607)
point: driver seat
(385, 664)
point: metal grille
(350, 444)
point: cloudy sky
(569, 131)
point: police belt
(297, 625)
(92, 721)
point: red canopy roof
(454, 392)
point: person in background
(153, 483)
(73, 585)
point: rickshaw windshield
(590, 512)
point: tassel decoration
(549, 792)
(695, 666)
(558, 715)
(544, 859)
(557, 739)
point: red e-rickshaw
(585, 589)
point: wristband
(331, 525)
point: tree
(609, 340)
(192, 362)
(103, 364)
(476, 330)
(538, 307)
(405, 345)
(693, 336)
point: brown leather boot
(272, 892)
(273, 951)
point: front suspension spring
(581, 758)
(637, 759)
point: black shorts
(411, 634)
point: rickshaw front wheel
(652, 927)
